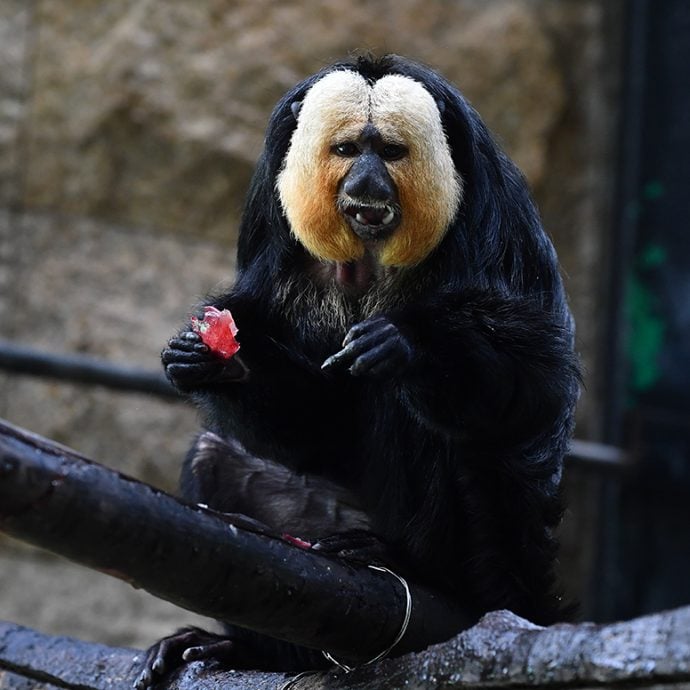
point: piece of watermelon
(217, 330)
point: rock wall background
(128, 132)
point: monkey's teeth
(371, 217)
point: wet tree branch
(501, 651)
(204, 561)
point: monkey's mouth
(371, 221)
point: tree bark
(204, 562)
(501, 651)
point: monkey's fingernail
(192, 653)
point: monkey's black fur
(455, 451)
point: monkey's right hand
(190, 364)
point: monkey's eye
(393, 152)
(346, 149)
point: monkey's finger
(188, 341)
(174, 356)
(336, 360)
(347, 356)
(223, 650)
(171, 650)
(372, 359)
(189, 375)
(166, 655)
(364, 342)
(385, 367)
(143, 680)
(390, 356)
(379, 326)
(155, 665)
(342, 358)
(356, 545)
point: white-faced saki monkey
(406, 383)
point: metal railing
(94, 371)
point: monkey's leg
(222, 474)
(270, 497)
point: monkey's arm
(473, 362)
(192, 367)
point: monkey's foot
(187, 644)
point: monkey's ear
(296, 106)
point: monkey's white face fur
(337, 108)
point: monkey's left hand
(374, 347)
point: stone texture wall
(128, 132)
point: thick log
(196, 558)
(501, 651)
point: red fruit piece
(217, 330)
(296, 541)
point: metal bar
(92, 371)
(599, 454)
(621, 248)
(18, 359)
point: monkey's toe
(358, 546)
(187, 644)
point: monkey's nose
(368, 186)
(369, 179)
